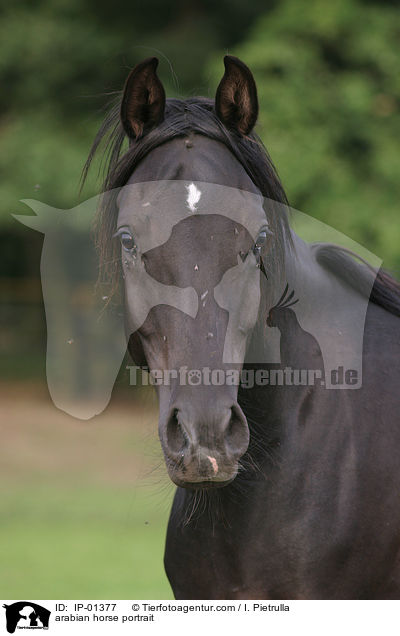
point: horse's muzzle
(202, 449)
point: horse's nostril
(237, 432)
(176, 438)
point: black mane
(182, 117)
(385, 290)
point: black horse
(283, 492)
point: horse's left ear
(143, 102)
(236, 101)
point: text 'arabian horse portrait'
(287, 487)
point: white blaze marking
(193, 197)
(213, 463)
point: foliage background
(329, 88)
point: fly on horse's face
(207, 279)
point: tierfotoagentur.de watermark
(246, 378)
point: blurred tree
(329, 88)
(62, 60)
(60, 53)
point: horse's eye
(261, 239)
(127, 241)
(259, 244)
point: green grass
(82, 543)
(84, 506)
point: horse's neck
(329, 325)
(328, 309)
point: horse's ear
(143, 102)
(236, 101)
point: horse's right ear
(143, 102)
(236, 101)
